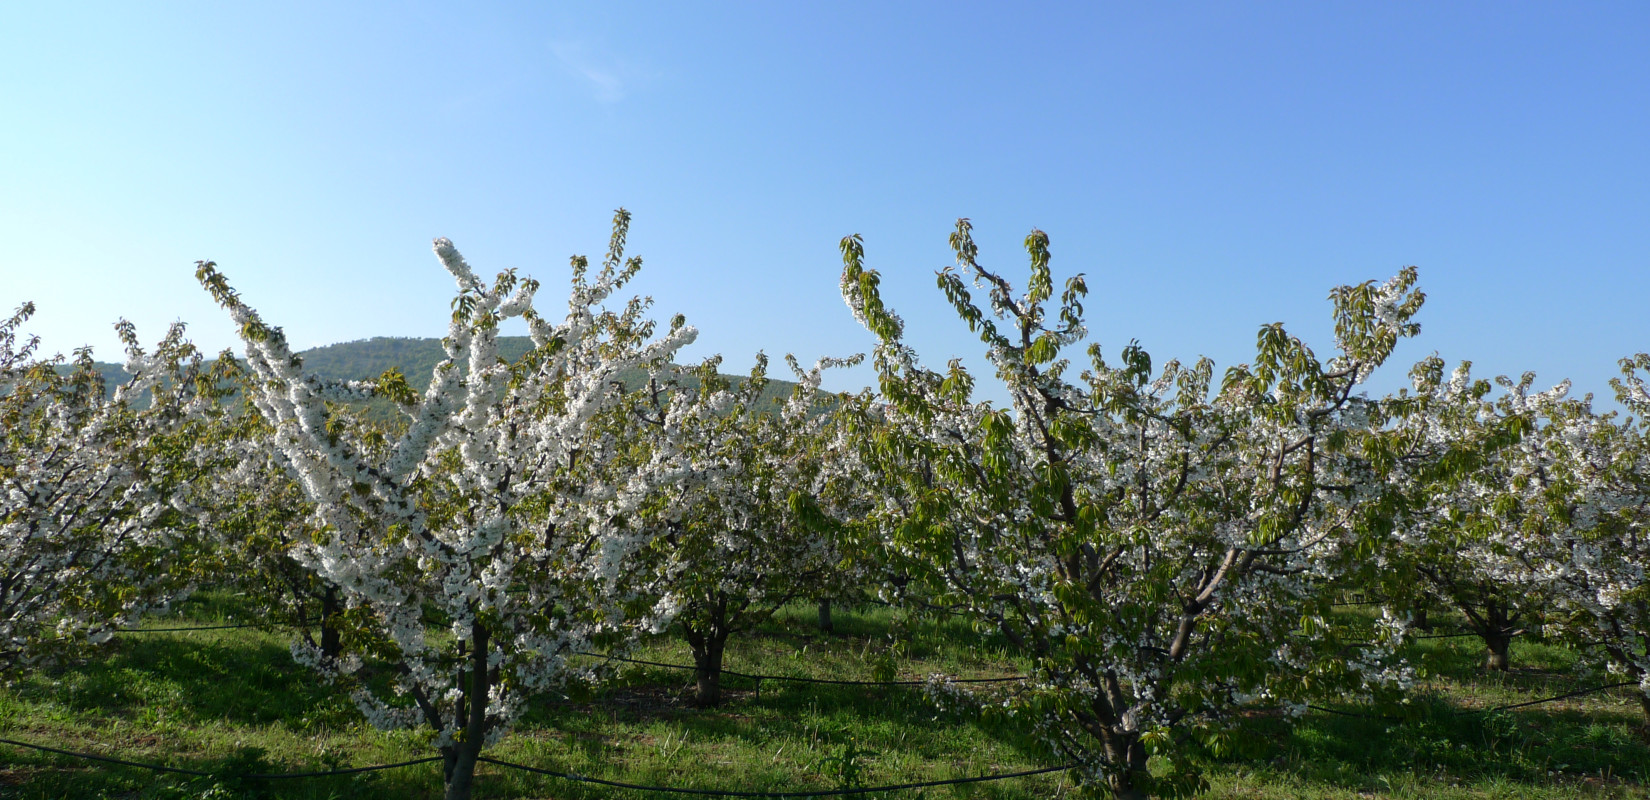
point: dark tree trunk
(1495, 628)
(707, 641)
(1127, 757)
(459, 769)
(825, 623)
(707, 668)
(1421, 620)
(332, 645)
(1495, 656)
(459, 758)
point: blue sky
(1209, 167)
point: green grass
(233, 701)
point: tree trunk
(1122, 786)
(332, 645)
(1644, 703)
(1127, 757)
(1420, 619)
(459, 769)
(1495, 657)
(1497, 635)
(707, 669)
(825, 623)
(459, 758)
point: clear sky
(1210, 167)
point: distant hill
(366, 359)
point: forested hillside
(366, 359)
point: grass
(233, 701)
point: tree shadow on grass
(42, 776)
(244, 679)
(777, 711)
(1444, 741)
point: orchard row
(1163, 545)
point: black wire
(106, 759)
(798, 679)
(791, 679)
(203, 774)
(201, 628)
(1576, 693)
(524, 767)
(1432, 636)
(729, 793)
(271, 625)
(726, 793)
(1446, 635)
(1356, 714)
(1470, 711)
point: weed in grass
(668, 749)
(844, 764)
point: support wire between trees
(571, 776)
(1467, 712)
(208, 774)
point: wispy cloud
(610, 78)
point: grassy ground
(233, 701)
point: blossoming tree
(501, 515)
(88, 540)
(1161, 553)
(1588, 544)
(734, 548)
(1607, 583)
(1473, 468)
